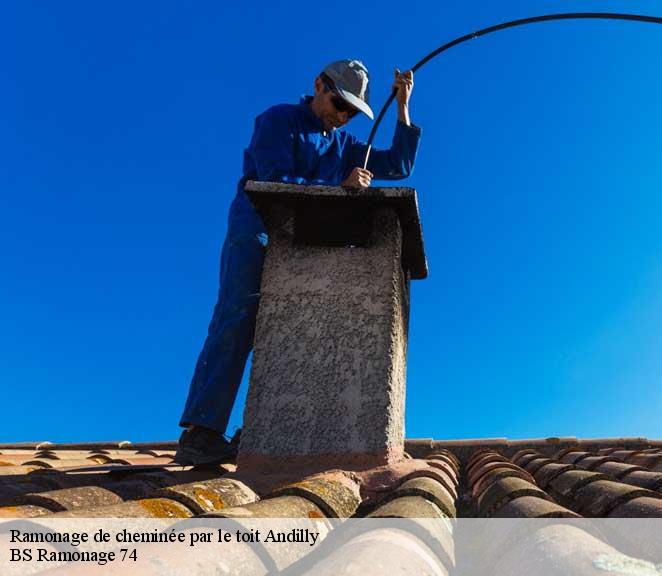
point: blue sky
(121, 136)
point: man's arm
(398, 161)
(271, 149)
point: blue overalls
(289, 144)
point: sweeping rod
(504, 26)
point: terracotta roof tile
(540, 469)
(72, 498)
(563, 487)
(335, 495)
(651, 461)
(645, 479)
(573, 457)
(533, 507)
(495, 474)
(597, 499)
(592, 462)
(503, 491)
(564, 548)
(408, 507)
(24, 511)
(441, 476)
(279, 507)
(532, 466)
(624, 455)
(520, 453)
(386, 551)
(617, 469)
(145, 508)
(546, 473)
(452, 462)
(209, 495)
(642, 507)
(429, 489)
(486, 470)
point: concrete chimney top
(327, 385)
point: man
(299, 144)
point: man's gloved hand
(358, 178)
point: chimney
(327, 386)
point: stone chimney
(327, 386)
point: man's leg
(220, 366)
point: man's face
(327, 111)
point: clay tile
(47, 456)
(388, 550)
(644, 479)
(617, 469)
(336, 495)
(481, 472)
(209, 495)
(452, 462)
(26, 511)
(599, 498)
(564, 485)
(546, 473)
(623, 454)
(10, 492)
(12, 471)
(437, 535)
(533, 507)
(408, 507)
(450, 472)
(15, 459)
(497, 474)
(451, 455)
(556, 548)
(484, 458)
(606, 451)
(281, 507)
(505, 490)
(72, 498)
(430, 490)
(573, 457)
(38, 464)
(146, 452)
(526, 458)
(561, 453)
(147, 508)
(51, 479)
(638, 508)
(515, 457)
(478, 454)
(436, 474)
(138, 461)
(592, 462)
(651, 461)
(67, 463)
(534, 465)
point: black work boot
(200, 445)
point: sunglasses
(338, 103)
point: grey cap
(351, 80)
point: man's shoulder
(280, 111)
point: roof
(484, 478)
(467, 478)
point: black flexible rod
(505, 25)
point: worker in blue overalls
(298, 144)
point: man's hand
(403, 86)
(358, 178)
